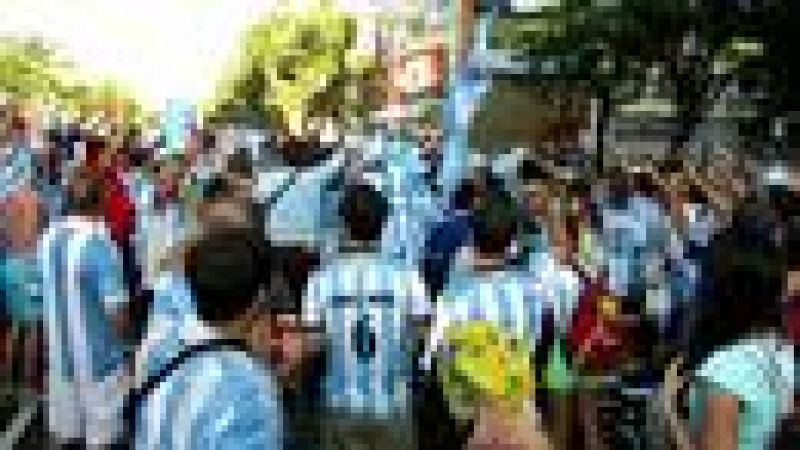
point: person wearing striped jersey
(419, 151)
(206, 386)
(484, 285)
(369, 308)
(83, 294)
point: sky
(160, 49)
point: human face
(278, 337)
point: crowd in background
(260, 289)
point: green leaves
(32, 70)
(296, 66)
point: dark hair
(644, 184)
(216, 188)
(531, 171)
(579, 189)
(671, 166)
(495, 223)
(464, 196)
(696, 195)
(223, 271)
(240, 163)
(793, 243)
(620, 188)
(785, 202)
(743, 279)
(84, 193)
(287, 272)
(364, 211)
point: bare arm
(720, 423)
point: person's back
(217, 399)
(200, 386)
(501, 297)
(741, 364)
(369, 308)
(296, 192)
(83, 290)
(367, 304)
(483, 286)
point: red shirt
(118, 208)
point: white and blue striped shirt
(221, 399)
(505, 298)
(368, 306)
(82, 288)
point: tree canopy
(295, 66)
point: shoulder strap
(137, 395)
(273, 199)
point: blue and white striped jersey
(557, 286)
(158, 230)
(368, 306)
(82, 286)
(506, 298)
(415, 206)
(216, 400)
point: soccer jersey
(557, 286)
(218, 399)
(505, 298)
(82, 280)
(299, 202)
(367, 305)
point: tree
(34, 71)
(617, 42)
(295, 66)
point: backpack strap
(139, 394)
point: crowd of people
(259, 289)
(174, 305)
